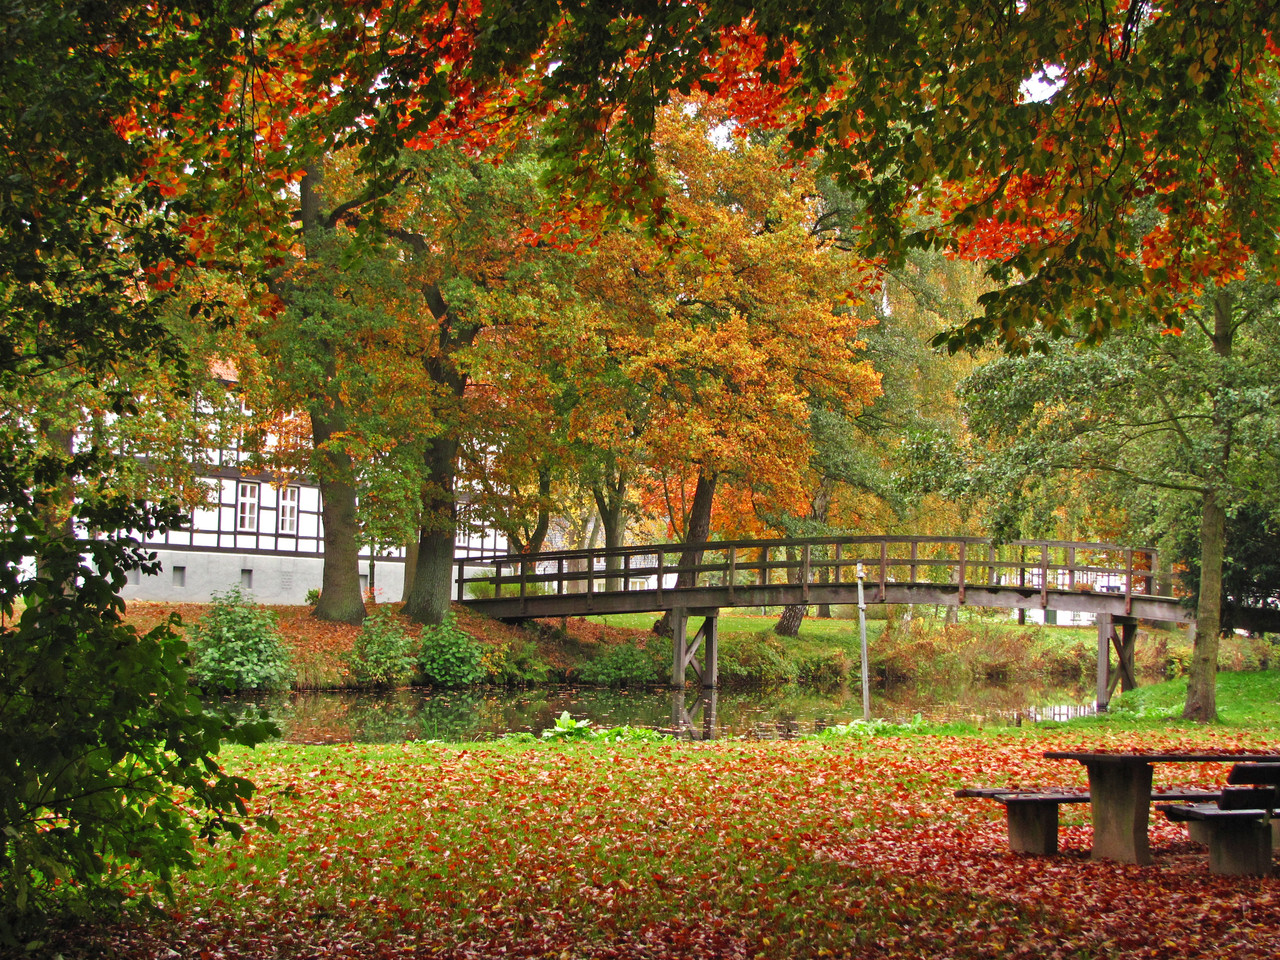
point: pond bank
(623, 652)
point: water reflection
(771, 713)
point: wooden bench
(1239, 827)
(1031, 816)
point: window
(179, 576)
(289, 510)
(246, 579)
(247, 507)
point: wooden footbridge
(1116, 584)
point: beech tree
(713, 342)
(1190, 416)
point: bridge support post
(684, 651)
(1124, 674)
(679, 645)
(684, 718)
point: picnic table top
(1152, 756)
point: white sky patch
(1043, 84)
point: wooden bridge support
(684, 652)
(1124, 673)
(684, 716)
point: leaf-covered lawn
(698, 850)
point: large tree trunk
(610, 496)
(429, 598)
(697, 532)
(410, 568)
(1202, 703)
(788, 624)
(340, 598)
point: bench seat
(1240, 828)
(1240, 840)
(1031, 816)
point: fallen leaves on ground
(757, 850)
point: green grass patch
(1246, 699)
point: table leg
(1120, 801)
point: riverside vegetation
(849, 844)
(241, 646)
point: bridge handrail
(710, 545)
(583, 570)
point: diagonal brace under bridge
(684, 653)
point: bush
(514, 664)
(449, 657)
(621, 666)
(108, 767)
(237, 647)
(384, 654)
(567, 728)
(758, 658)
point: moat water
(769, 713)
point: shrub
(622, 666)
(629, 734)
(760, 658)
(108, 765)
(567, 728)
(867, 729)
(449, 657)
(384, 654)
(514, 664)
(237, 647)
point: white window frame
(287, 516)
(247, 501)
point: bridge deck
(1050, 575)
(1114, 583)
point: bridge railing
(962, 562)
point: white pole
(862, 633)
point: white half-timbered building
(267, 537)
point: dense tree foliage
(108, 765)
(1192, 418)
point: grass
(835, 848)
(1246, 700)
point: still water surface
(772, 713)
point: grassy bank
(622, 650)
(836, 848)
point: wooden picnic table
(1120, 794)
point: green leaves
(449, 657)
(238, 647)
(384, 654)
(108, 765)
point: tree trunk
(1202, 704)
(429, 598)
(697, 532)
(698, 528)
(340, 598)
(611, 496)
(788, 624)
(410, 568)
